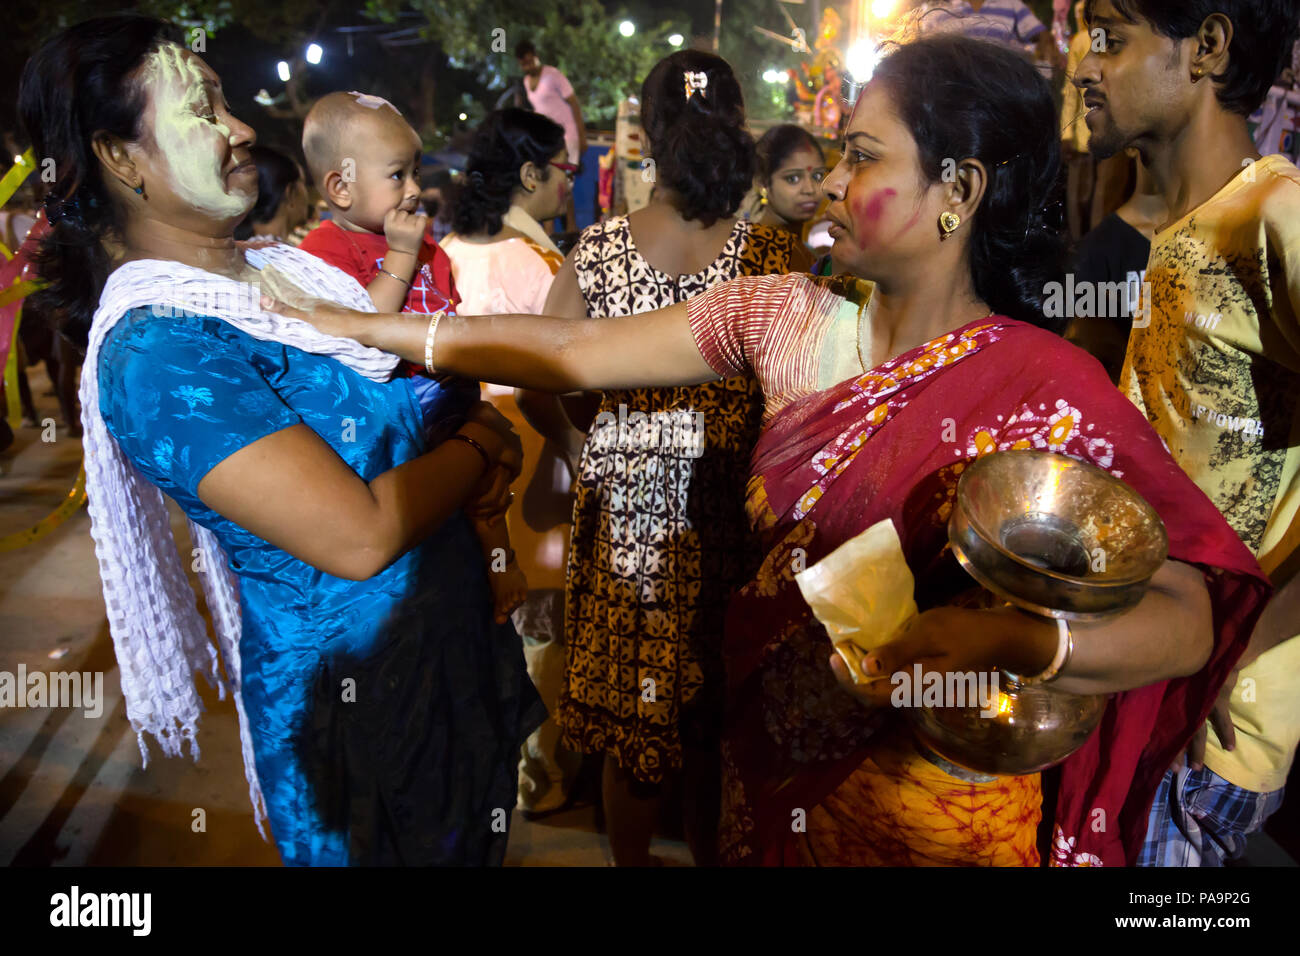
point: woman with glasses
(502, 260)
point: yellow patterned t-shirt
(1217, 371)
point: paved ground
(72, 790)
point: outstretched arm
(546, 412)
(530, 351)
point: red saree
(892, 444)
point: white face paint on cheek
(191, 147)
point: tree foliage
(28, 23)
(472, 41)
(579, 37)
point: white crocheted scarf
(157, 632)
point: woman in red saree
(877, 394)
(892, 443)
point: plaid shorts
(1200, 819)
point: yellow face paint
(191, 140)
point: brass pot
(1058, 538)
(1034, 727)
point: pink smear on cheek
(866, 215)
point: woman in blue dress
(382, 708)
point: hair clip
(56, 210)
(695, 83)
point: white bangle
(1064, 651)
(428, 339)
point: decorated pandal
(840, 60)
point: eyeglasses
(569, 169)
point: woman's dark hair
(507, 140)
(971, 99)
(77, 84)
(776, 146)
(1262, 36)
(276, 172)
(699, 144)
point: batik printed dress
(660, 540)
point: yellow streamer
(23, 167)
(75, 498)
(14, 411)
(19, 290)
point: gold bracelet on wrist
(428, 339)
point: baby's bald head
(337, 122)
(363, 157)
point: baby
(365, 160)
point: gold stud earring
(948, 222)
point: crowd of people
(690, 406)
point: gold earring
(948, 222)
(762, 197)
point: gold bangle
(428, 339)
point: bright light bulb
(627, 28)
(862, 59)
(880, 9)
(676, 39)
(463, 117)
(282, 68)
(314, 53)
